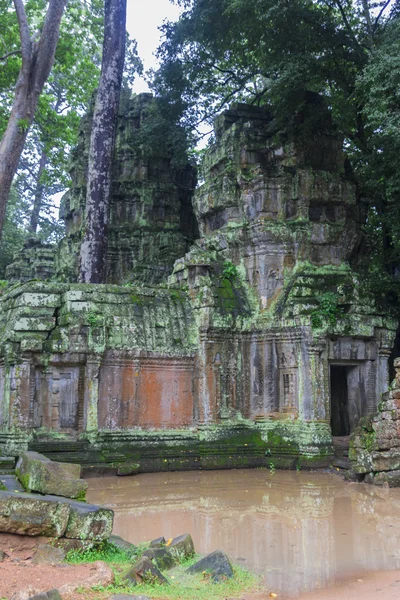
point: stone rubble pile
(60, 522)
(53, 512)
(375, 444)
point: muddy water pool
(301, 531)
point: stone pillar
(382, 376)
(19, 395)
(54, 397)
(91, 394)
(207, 394)
(313, 386)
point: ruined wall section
(83, 358)
(151, 218)
(280, 224)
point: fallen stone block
(182, 546)
(217, 564)
(128, 468)
(163, 558)
(158, 543)
(27, 514)
(144, 571)
(67, 544)
(390, 478)
(50, 595)
(46, 554)
(39, 474)
(118, 541)
(88, 521)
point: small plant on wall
(328, 311)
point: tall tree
(102, 142)
(271, 52)
(37, 53)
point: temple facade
(233, 329)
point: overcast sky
(143, 20)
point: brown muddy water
(302, 531)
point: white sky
(143, 19)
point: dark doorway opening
(340, 418)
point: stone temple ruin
(233, 330)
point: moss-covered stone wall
(233, 359)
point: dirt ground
(20, 579)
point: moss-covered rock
(40, 474)
(27, 514)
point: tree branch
(368, 21)
(346, 22)
(375, 25)
(24, 33)
(48, 41)
(5, 56)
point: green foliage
(105, 551)
(229, 271)
(328, 311)
(275, 53)
(160, 133)
(93, 319)
(67, 95)
(13, 234)
(23, 124)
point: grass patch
(183, 586)
(108, 553)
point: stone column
(313, 392)
(91, 394)
(207, 400)
(19, 395)
(382, 376)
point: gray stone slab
(37, 473)
(217, 564)
(31, 514)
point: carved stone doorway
(347, 398)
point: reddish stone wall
(146, 392)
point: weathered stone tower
(259, 347)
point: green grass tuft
(106, 552)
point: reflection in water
(301, 530)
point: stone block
(217, 564)
(144, 571)
(182, 546)
(122, 544)
(50, 595)
(46, 554)
(28, 514)
(158, 543)
(89, 522)
(39, 474)
(68, 544)
(128, 468)
(163, 557)
(34, 324)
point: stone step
(45, 446)
(7, 465)
(342, 463)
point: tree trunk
(93, 251)
(37, 60)
(368, 21)
(37, 201)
